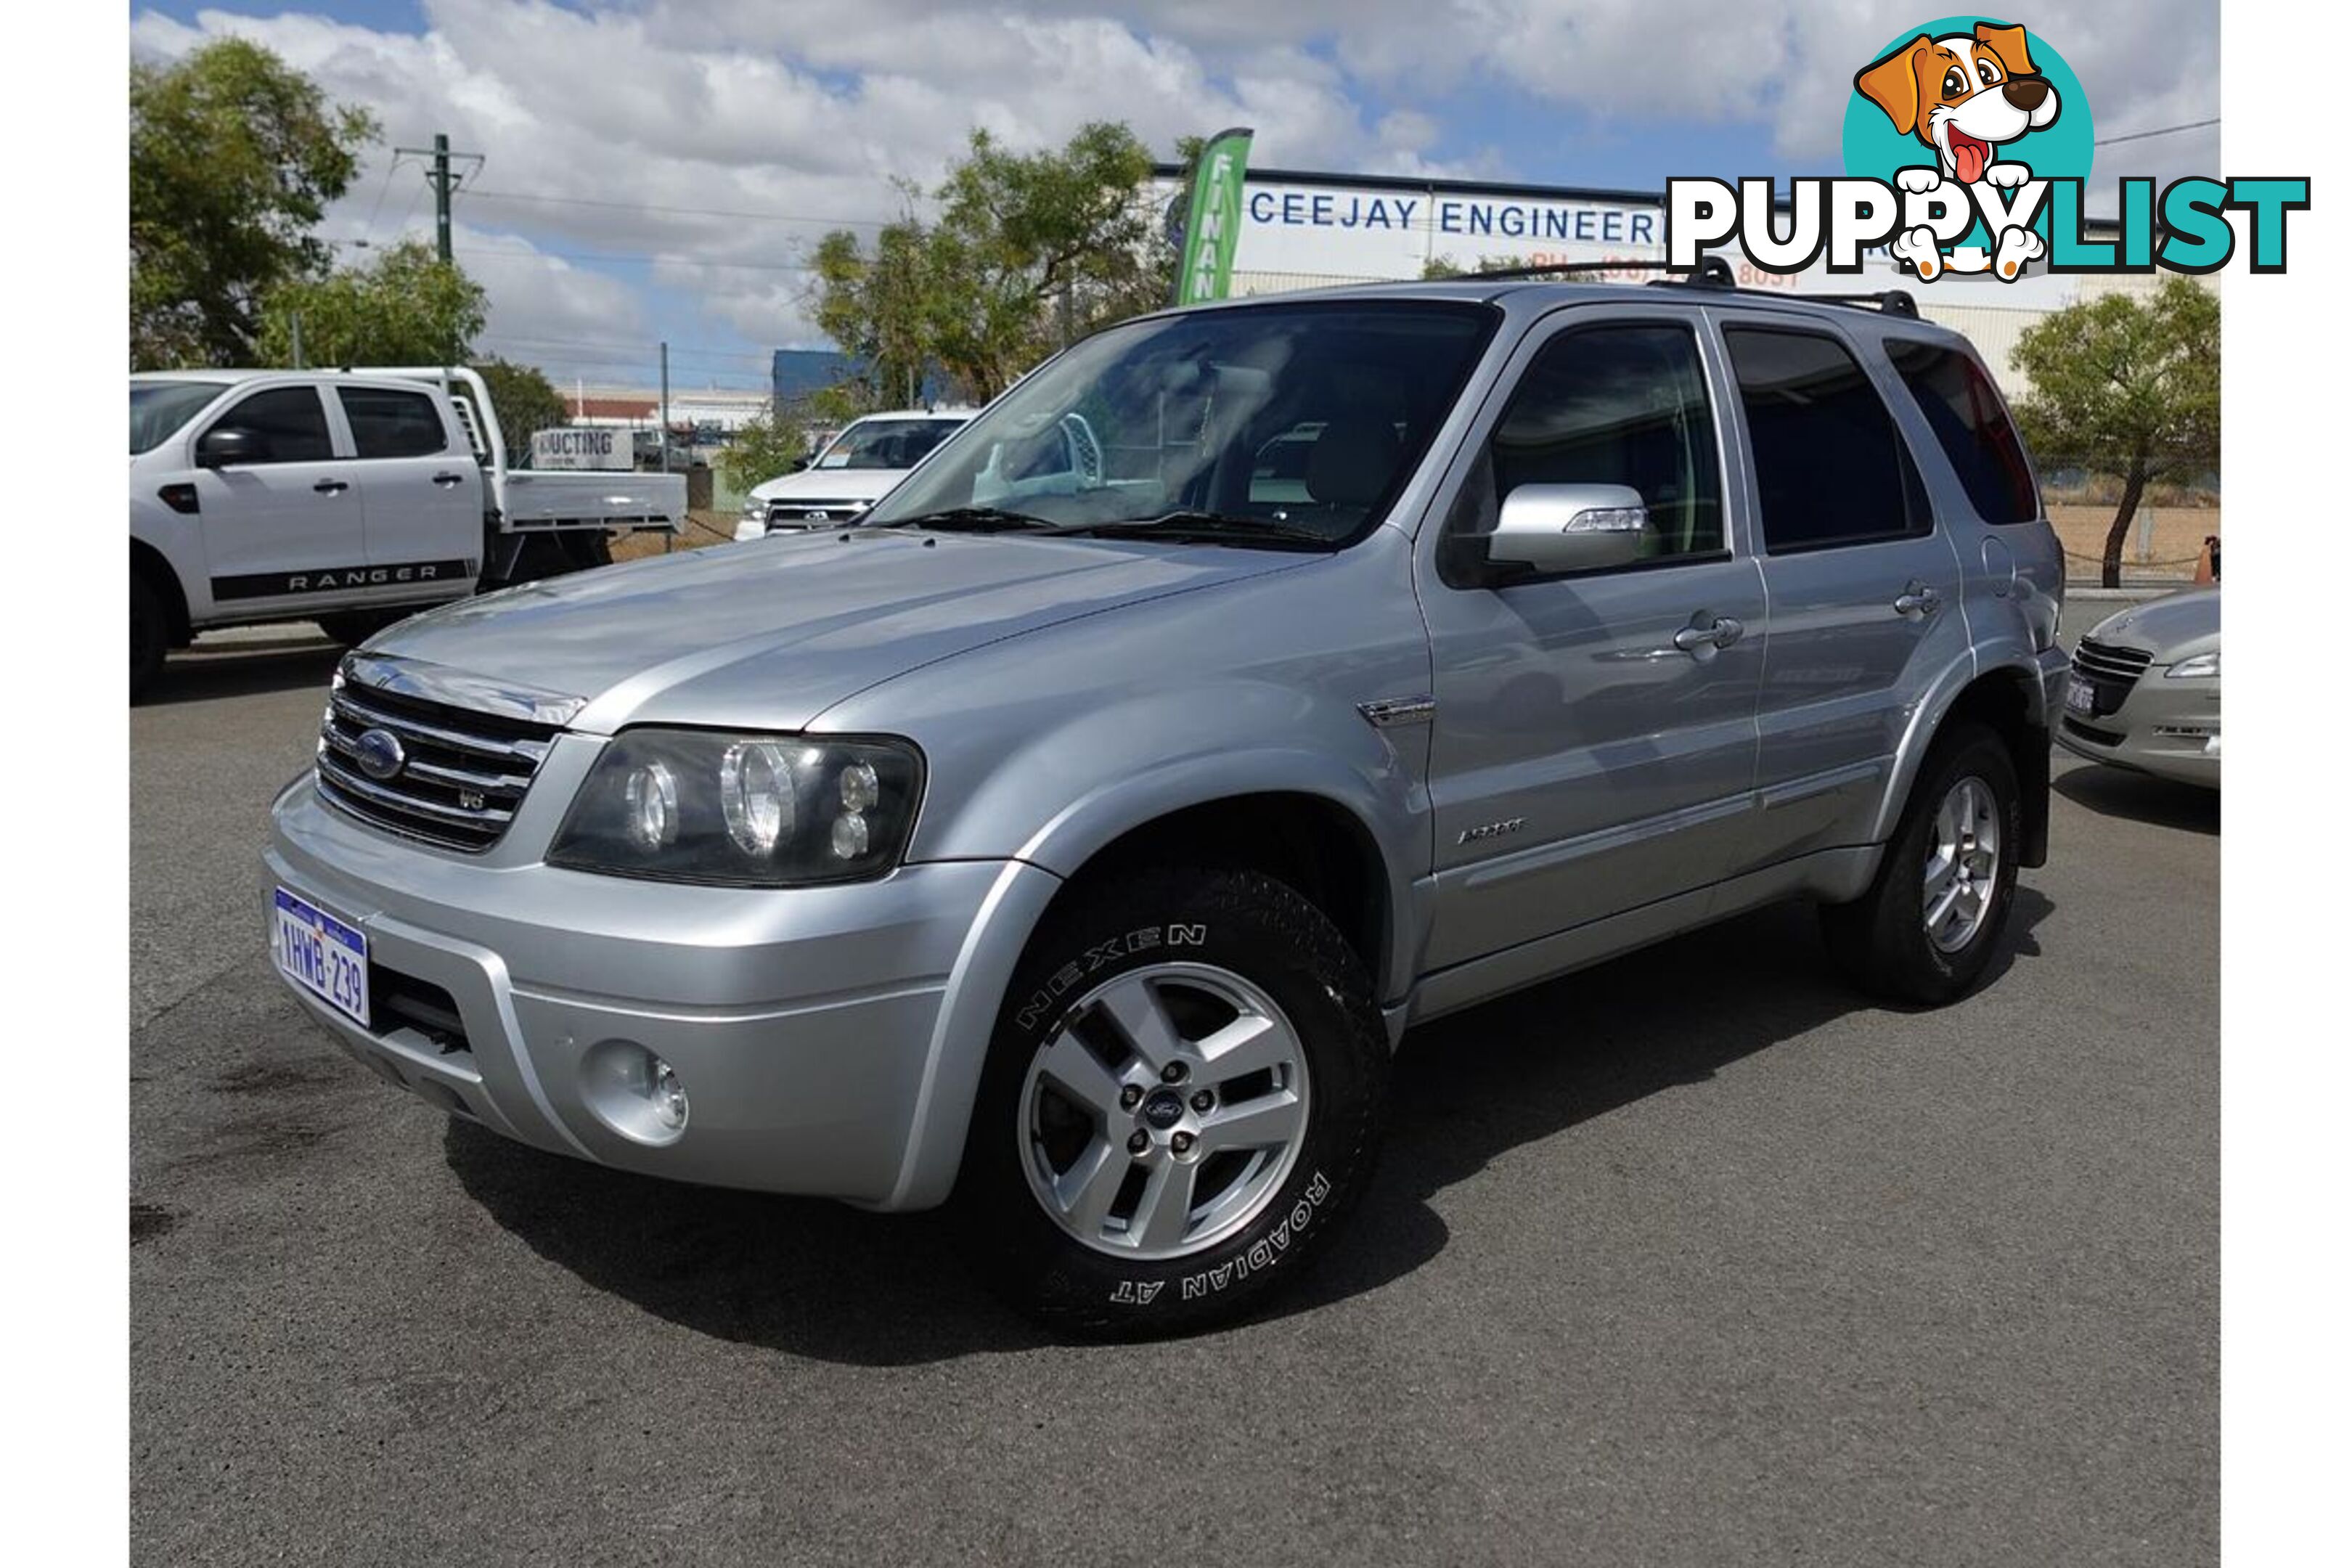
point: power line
(672, 256)
(685, 212)
(2160, 131)
(647, 347)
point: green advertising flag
(1213, 222)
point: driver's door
(283, 530)
(1594, 739)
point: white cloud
(805, 113)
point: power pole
(442, 182)
(664, 425)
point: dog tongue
(1969, 158)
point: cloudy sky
(659, 169)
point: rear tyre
(353, 627)
(1938, 909)
(1182, 1100)
(151, 636)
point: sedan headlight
(2207, 666)
(769, 811)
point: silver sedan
(2145, 692)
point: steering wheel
(1083, 448)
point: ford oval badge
(381, 756)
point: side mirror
(1568, 528)
(798, 464)
(226, 446)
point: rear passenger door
(420, 491)
(1863, 588)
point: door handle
(331, 487)
(1917, 599)
(445, 480)
(1722, 633)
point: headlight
(754, 507)
(769, 811)
(2207, 666)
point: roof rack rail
(1712, 272)
(1887, 301)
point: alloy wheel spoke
(1086, 1189)
(1166, 1205)
(1251, 1043)
(1269, 1121)
(1080, 1073)
(1941, 909)
(1134, 1007)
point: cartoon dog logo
(1964, 95)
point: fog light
(634, 1092)
(669, 1095)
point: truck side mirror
(227, 446)
(1555, 529)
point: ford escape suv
(1074, 842)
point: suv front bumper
(825, 1037)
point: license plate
(322, 954)
(2078, 696)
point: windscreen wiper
(974, 520)
(1209, 528)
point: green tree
(2128, 389)
(406, 305)
(1028, 252)
(763, 448)
(233, 158)
(525, 402)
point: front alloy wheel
(1182, 1099)
(1165, 1111)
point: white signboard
(583, 449)
(1294, 231)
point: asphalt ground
(1692, 1259)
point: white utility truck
(350, 498)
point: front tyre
(151, 636)
(1184, 1096)
(1932, 918)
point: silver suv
(1075, 842)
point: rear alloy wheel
(1932, 918)
(1184, 1094)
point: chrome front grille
(813, 513)
(2119, 666)
(448, 775)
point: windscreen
(160, 407)
(1300, 419)
(888, 443)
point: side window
(1965, 412)
(1615, 405)
(291, 422)
(389, 423)
(1831, 466)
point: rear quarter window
(1962, 408)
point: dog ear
(2008, 44)
(1892, 84)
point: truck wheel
(353, 627)
(151, 634)
(1928, 925)
(1182, 1100)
